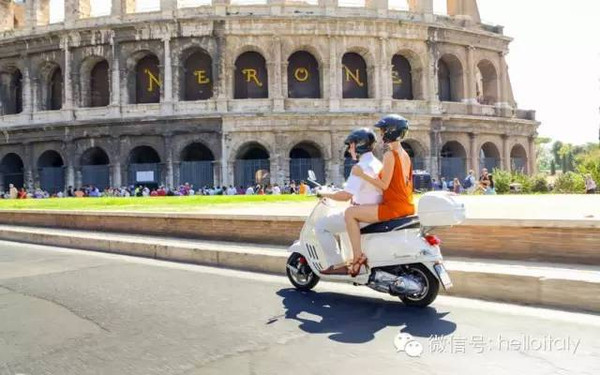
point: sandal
(332, 270)
(354, 269)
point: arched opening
(144, 167)
(95, 170)
(518, 159)
(401, 78)
(354, 76)
(196, 165)
(252, 165)
(414, 150)
(303, 76)
(198, 78)
(453, 161)
(489, 157)
(450, 79)
(99, 85)
(11, 93)
(11, 168)
(55, 90)
(51, 171)
(147, 80)
(487, 83)
(304, 157)
(251, 79)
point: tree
(552, 168)
(542, 153)
(555, 152)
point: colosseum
(209, 92)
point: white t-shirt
(363, 192)
(276, 190)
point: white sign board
(144, 176)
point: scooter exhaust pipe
(385, 282)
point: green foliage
(589, 162)
(569, 183)
(524, 180)
(552, 168)
(539, 183)
(502, 180)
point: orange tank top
(398, 197)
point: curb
(542, 286)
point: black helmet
(363, 138)
(394, 126)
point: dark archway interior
(50, 159)
(453, 149)
(252, 152)
(11, 163)
(408, 148)
(143, 155)
(518, 152)
(197, 152)
(94, 156)
(305, 151)
(489, 150)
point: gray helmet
(363, 138)
(394, 126)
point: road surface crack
(57, 304)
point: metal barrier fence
(197, 173)
(95, 175)
(299, 169)
(245, 171)
(52, 179)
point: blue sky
(554, 61)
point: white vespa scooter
(404, 260)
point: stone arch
(519, 159)
(308, 48)
(416, 151)
(138, 78)
(450, 79)
(51, 171)
(251, 76)
(305, 156)
(453, 157)
(252, 165)
(304, 78)
(12, 168)
(487, 83)
(402, 80)
(144, 166)
(196, 79)
(51, 86)
(489, 156)
(355, 76)
(11, 91)
(197, 165)
(95, 81)
(94, 156)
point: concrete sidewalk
(571, 287)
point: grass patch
(148, 203)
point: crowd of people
(470, 185)
(186, 189)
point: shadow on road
(352, 319)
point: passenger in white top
(360, 145)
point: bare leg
(355, 215)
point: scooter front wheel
(299, 272)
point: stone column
(28, 167)
(167, 106)
(115, 90)
(68, 86)
(168, 141)
(334, 72)
(505, 161)
(220, 7)
(470, 76)
(381, 6)
(27, 88)
(69, 149)
(117, 9)
(222, 79)
(168, 8)
(430, 74)
(72, 12)
(385, 76)
(226, 170)
(464, 9)
(31, 14)
(275, 84)
(473, 154)
(434, 140)
(504, 85)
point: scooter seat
(386, 226)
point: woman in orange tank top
(395, 180)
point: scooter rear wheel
(430, 292)
(304, 278)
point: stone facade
(470, 122)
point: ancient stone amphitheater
(211, 93)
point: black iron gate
(52, 179)
(16, 179)
(197, 173)
(95, 175)
(488, 163)
(299, 169)
(245, 171)
(453, 167)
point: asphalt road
(74, 312)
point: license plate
(443, 275)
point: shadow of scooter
(352, 319)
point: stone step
(564, 286)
